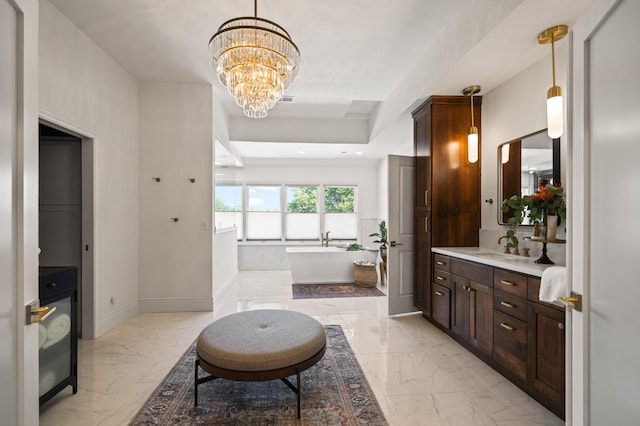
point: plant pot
(383, 254)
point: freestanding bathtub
(320, 265)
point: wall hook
(192, 180)
(174, 219)
(490, 201)
(157, 179)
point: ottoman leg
(296, 390)
(195, 388)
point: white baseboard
(204, 304)
(119, 316)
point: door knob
(393, 244)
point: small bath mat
(322, 291)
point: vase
(552, 225)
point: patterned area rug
(320, 291)
(334, 392)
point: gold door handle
(439, 293)
(507, 326)
(40, 314)
(573, 302)
(507, 283)
(507, 304)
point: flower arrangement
(549, 200)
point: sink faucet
(325, 239)
(506, 248)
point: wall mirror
(524, 164)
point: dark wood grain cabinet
(447, 187)
(497, 315)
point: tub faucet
(325, 239)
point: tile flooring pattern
(419, 375)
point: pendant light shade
(555, 112)
(472, 138)
(256, 61)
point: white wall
(514, 109)
(176, 139)
(84, 90)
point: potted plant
(382, 239)
(547, 201)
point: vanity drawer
(510, 282)
(442, 278)
(473, 272)
(509, 304)
(442, 263)
(510, 345)
(441, 305)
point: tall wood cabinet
(447, 187)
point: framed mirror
(524, 164)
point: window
(302, 218)
(340, 212)
(228, 209)
(264, 218)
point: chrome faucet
(325, 239)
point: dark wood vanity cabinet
(447, 187)
(497, 315)
(472, 304)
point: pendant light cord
(471, 97)
(553, 59)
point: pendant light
(472, 138)
(555, 114)
(256, 60)
(505, 153)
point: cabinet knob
(561, 326)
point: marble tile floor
(419, 375)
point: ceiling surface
(365, 63)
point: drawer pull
(426, 225)
(440, 263)
(439, 293)
(507, 283)
(507, 304)
(465, 287)
(507, 326)
(561, 326)
(439, 278)
(426, 197)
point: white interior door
(400, 254)
(8, 284)
(18, 210)
(606, 246)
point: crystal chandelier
(256, 61)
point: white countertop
(524, 265)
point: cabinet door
(423, 264)
(460, 306)
(547, 354)
(441, 311)
(481, 317)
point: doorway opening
(66, 212)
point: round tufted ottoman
(259, 345)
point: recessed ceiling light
(359, 152)
(301, 152)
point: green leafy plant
(548, 200)
(382, 235)
(355, 247)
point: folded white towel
(42, 334)
(553, 283)
(57, 329)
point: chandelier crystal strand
(256, 61)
